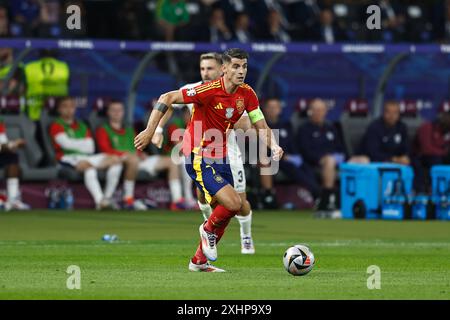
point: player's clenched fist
(158, 139)
(142, 140)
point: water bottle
(398, 195)
(62, 199)
(69, 200)
(110, 237)
(53, 198)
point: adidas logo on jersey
(218, 106)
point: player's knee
(83, 166)
(132, 161)
(235, 203)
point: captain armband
(255, 115)
(161, 107)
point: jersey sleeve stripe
(200, 90)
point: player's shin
(112, 179)
(221, 230)
(199, 257)
(245, 223)
(219, 217)
(93, 185)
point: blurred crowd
(229, 20)
(315, 149)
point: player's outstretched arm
(144, 138)
(266, 134)
(158, 136)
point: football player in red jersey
(210, 70)
(218, 106)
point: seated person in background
(115, 139)
(291, 163)
(10, 161)
(75, 147)
(386, 138)
(321, 148)
(431, 147)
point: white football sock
(112, 179)
(246, 225)
(128, 189)
(187, 185)
(175, 189)
(12, 189)
(93, 185)
(205, 209)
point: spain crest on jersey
(240, 105)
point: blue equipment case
(375, 190)
(440, 190)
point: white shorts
(149, 165)
(236, 165)
(73, 160)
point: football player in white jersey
(210, 69)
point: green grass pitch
(150, 260)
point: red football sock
(221, 230)
(219, 216)
(199, 257)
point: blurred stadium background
(156, 47)
(133, 51)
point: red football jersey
(214, 112)
(55, 129)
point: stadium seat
(354, 122)
(11, 104)
(300, 114)
(19, 126)
(409, 110)
(98, 114)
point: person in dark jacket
(292, 163)
(431, 147)
(386, 138)
(326, 29)
(321, 147)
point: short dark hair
(108, 105)
(60, 100)
(113, 101)
(234, 53)
(391, 103)
(270, 98)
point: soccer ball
(298, 260)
